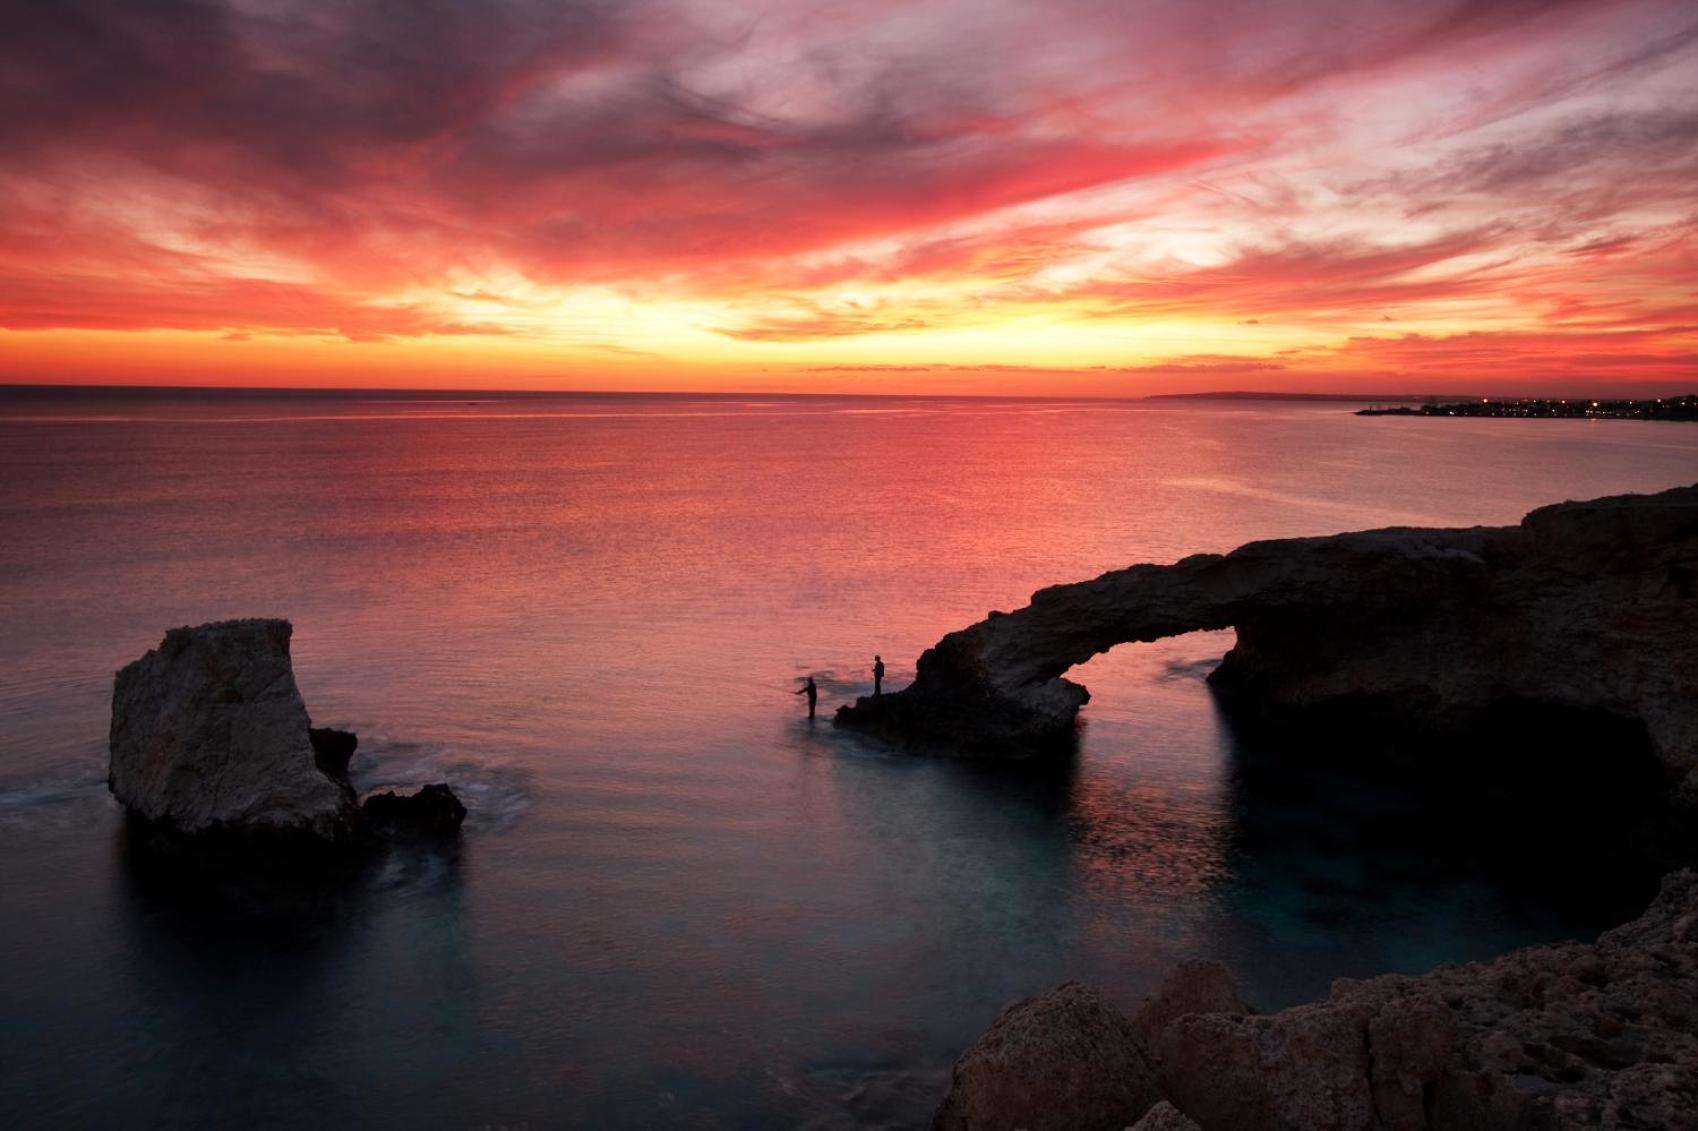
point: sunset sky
(1063, 196)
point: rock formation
(1588, 609)
(1575, 1035)
(209, 731)
(1165, 1117)
(210, 737)
(1193, 986)
(432, 811)
(1066, 1045)
(333, 749)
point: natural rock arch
(1587, 606)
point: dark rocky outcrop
(1574, 1035)
(211, 745)
(1060, 1061)
(333, 749)
(433, 811)
(1585, 613)
(1573, 635)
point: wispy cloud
(1210, 183)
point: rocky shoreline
(1559, 655)
(1573, 1035)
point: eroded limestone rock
(1302, 1068)
(1583, 607)
(1576, 1035)
(210, 739)
(209, 733)
(1195, 985)
(1061, 1060)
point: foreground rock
(1193, 986)
(1059, 1061)
(1584, 612)
(210, 740)
(1576, 1035)
(1165, 1117)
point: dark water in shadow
(677, 903)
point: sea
(677, 901)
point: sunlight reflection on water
(678, 903)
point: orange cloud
(1149, 193)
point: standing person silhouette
(812, 691)
(878, 676)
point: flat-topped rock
(209, 732)
(210, 739)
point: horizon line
(457, 393)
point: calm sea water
(677, 903)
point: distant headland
(1683, 407)
(1548, 408)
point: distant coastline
(1550, 408)
(1367, 398)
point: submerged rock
(210, 741)
(1574, 1035)
(1584, 613)
(1062, 1060)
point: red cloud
(304, 168)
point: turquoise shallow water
(677, 903)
